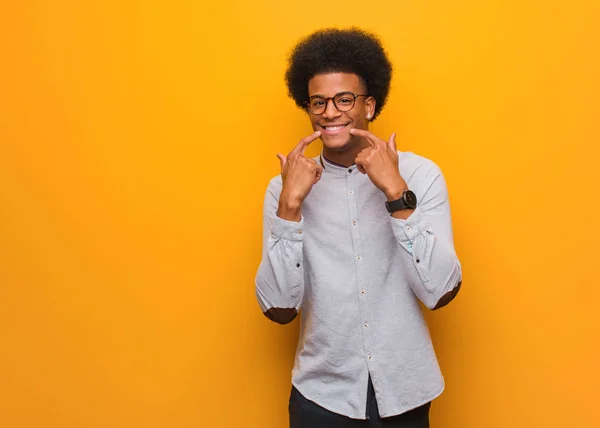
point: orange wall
(136, 141)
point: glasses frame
(355, 96)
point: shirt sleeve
(426, 236)
(280, 277)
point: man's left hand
(380, 162)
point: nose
(331, 112)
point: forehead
(330, 84)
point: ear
(370, 105)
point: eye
(317, 102)
(345, 100)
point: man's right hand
(299, 175)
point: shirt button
(362, 291)
(408, 228)
(349, 171)
(350, 192)
(370, 358)
(366, 324)
(299, 231)
(353, 222)
(358, 258)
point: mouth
(333, 129)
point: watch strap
(397, 205)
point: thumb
(392, 142)
(318, 174)
(282, 160)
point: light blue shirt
(357, 275)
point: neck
(347, 155)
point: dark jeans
(306, 414)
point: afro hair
(339, 51)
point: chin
(337, 142)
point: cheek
(360, 122)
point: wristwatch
(407, 201)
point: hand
(299, 175)
(380, 162)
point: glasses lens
(316, 105)
(344, 101)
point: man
(355, 237)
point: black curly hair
(339, 51)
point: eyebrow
(337, 93)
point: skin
(353, 144)
(341, 147)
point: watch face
(410, 198)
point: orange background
(136, 142)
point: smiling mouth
(333, 129)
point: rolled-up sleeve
(426, 236)
(280, 277)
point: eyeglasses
(344, 101)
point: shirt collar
(336, 168)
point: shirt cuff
(285, 229)
(409, 229)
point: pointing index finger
(370, 137)
(303, 144)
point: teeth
(333, 128)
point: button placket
(361, 290)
